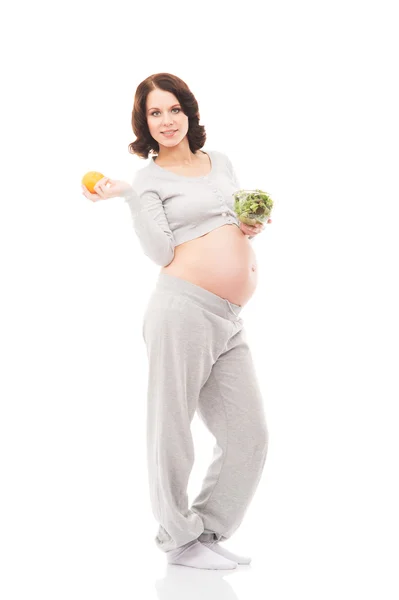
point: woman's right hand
(107, 188)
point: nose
(167, 121)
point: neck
(176, 156)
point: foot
(197, 555)
(214, 546)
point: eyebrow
(155, 107)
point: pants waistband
(215, 303)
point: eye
(156, 111)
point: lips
(170, 131)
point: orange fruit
(90, 179)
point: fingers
(102, 184)
(89, 195)
(253, 229)
(99, 190)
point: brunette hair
(145, 143)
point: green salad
(252, 206)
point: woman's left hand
(253, 229)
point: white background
(303, 98)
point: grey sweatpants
(199, 360)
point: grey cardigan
(169, 209)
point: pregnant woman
(199, 359)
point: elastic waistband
(215, 303)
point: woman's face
(164, 112)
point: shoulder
(144, 181)
(145, 175)
(220, 156)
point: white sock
(194, 554)
(240, 560)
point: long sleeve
(150, 222)
(234, 179)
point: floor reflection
(187, 583)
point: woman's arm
(234, 179)
(150, 222)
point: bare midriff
(221, 261)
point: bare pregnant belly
(221, 261)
